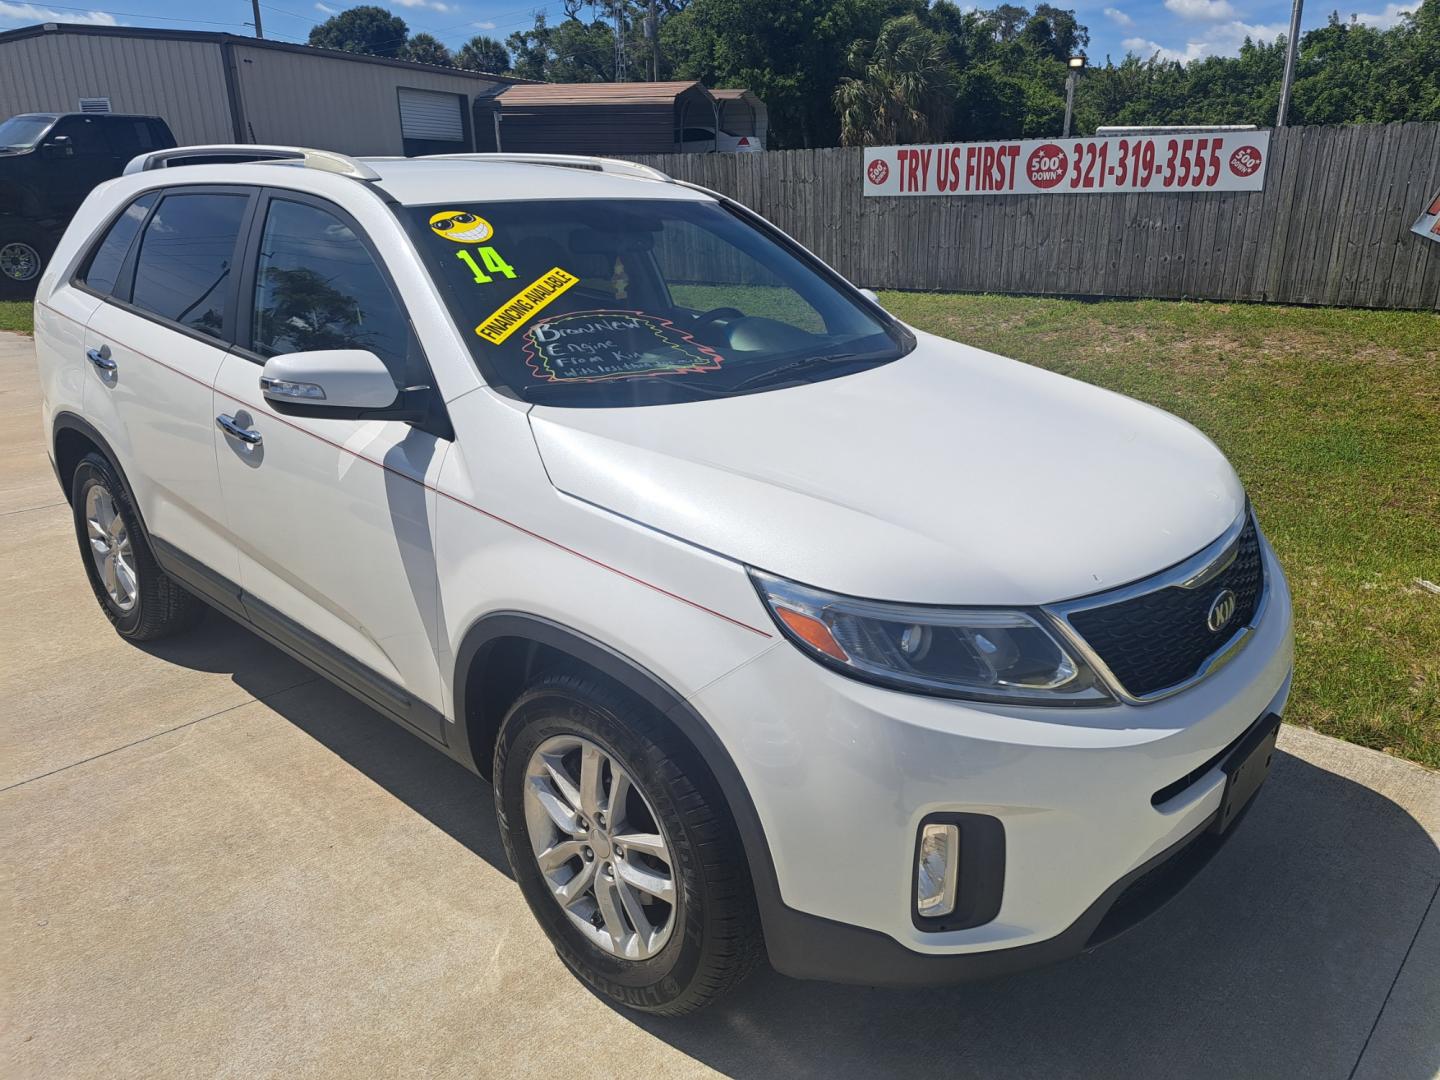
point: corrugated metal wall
(333, 104)
(182, 81)
(590, 129)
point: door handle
(227, 424)
(101, 358)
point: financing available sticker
(518, 310)
(593, 346)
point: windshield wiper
(794, 367)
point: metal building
(220, 88)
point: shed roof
(654, 93)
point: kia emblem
(1222, 610)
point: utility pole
(1076, 64)
(259, 30)
(1292, 48)
(619, 40)
(653, 26)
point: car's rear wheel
(623, 847)
(137, 596)
(24, 250)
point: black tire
(161, 606)
(716, 938)
(24, 250)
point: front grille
(1160, 639)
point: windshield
(603, 303)
(23, 132)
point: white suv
(777, 625)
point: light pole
(1292, 46)
(1077, 65)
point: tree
(483, 53)
(569, 51)
(901, 88)
(1006, 20)
(364, 29)
(791, 55)
(426, 49)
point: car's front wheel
(623, 847)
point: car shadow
(1274, 962)
(436, 787)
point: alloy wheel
(110, 547)
(19, 261)
(600, 847)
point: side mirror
(59, 146)
(351, 384)
(870, 294)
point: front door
(333, 519)
(88, 159)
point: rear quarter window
(103, 269)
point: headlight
(987, 654)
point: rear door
(155, 346)
(130, 136)
(333, 519)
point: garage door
(425, 114)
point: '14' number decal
(493, 263)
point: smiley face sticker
(461, 226)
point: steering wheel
(719, 313)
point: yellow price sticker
(518, 310)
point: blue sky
(1180, 29)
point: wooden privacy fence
(1331, 227)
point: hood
(950, 476)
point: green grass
(17, 315)
(1332, 418)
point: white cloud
(1201, 9)
(1223, 39)
(432, 5)
(29, 13)
(325, 9)
(1193, 50)
(1119, 16)
(488, 24)
(1384, 20)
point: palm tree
(426, 49)
(483, 53)
(902, 88)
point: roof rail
(229, 153)
(566, 161)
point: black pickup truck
(48, 164)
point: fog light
(936, 867)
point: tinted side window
(186, 255)
(105, 263)
(316, 287)
(129, 137)
(86, 137)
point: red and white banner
(1225, 161)
(1428, 223)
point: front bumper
(842, 773)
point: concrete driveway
(217, 865)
